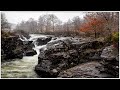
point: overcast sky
(17, 16)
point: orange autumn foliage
(92, 24)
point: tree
(101, 23)
(29, 26)
(41, 23)
(77, 23)
(32, 25)
(111, 19)
(93, 24)
(4, 22)
(54, 20)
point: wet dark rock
(28, 48)
(11, 47)
(86, 70)
(111, 61)
(65, 53)
(43, 40)
(30, 53)
(44, 69)
(109, 52)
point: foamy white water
(22, 68)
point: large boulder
(61, 54)
(110, 55)
(30, 53)
(87, 70)
(28, 48)
(43, 40)
(12, 47)
(109, 52)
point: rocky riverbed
(44, 56)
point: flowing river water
(22, 68)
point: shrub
(115, 37)
(7, 33)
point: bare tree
(54, 20)
(41, 24)
(76, 22)
(4, 22)
(112, 21)
(32, 25)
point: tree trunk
(53, 27)
(95, 35)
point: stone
(30, 53)
(86, 70)
(12, 47)
(111, 60)
(109, 53)
(61, 54)
(43, 40)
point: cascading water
(22, 68)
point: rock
(95, 57)
(61, 54)
(43, 40)
(109, 52)
(54, 38)
(54, 71)
(111, 60)
(12, 47)
(17, 53)
(86, 70)
(112, 68)
(30, 53)
(28, 48)
(28, 45)
(43, 69)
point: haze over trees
(94, 24)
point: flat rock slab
(86, 70)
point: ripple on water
(22, 68)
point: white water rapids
(22, 68)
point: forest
(66, 49)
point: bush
(108, 39)
(7, 34)
(115, 37)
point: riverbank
(65, 57)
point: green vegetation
(115, 37)
(6, 34)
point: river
(22, 68)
